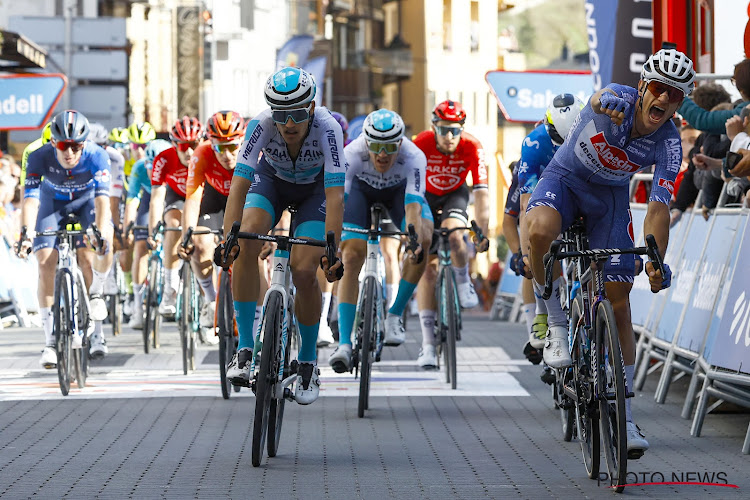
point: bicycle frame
(67, 262)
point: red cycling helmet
(226, 126)
(186, 129)
(450, 111)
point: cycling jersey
(603, 153)
(536, 152)
(117, 173)
(400, 186)
(513, 202)
(204, 167)
(322, 150)
(169, 170)
(446, 173)
(33, 146)
(138, 180)
(46, 178)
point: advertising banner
(510, 283)
(189, 67)
(684, 272)
(711, 275)
(641, 298)
(619, 31)
(730, 346)
(27, 101)
(523, 96)
(355, 126)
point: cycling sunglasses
(389, 147)
(184, 146)
(63, 145)
(298, 115)
(658, 88)
(444, 130)
(225, 146)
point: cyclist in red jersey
(168, 180)
(209, 178)
(451, 154)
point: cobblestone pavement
(141, 429)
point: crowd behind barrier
(18, 286)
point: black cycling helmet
(70, 125)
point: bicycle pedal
(629, 394)
(288, 394)
(635, 454)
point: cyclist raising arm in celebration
(69, 175)
(303, 164)
(168, 182)
(451, 154)
(621, 131)
(387, 168)
(209, 178)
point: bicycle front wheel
(185, 319)
(150, 311)
(81, 356)
(611, 381)
(369, 321)
(265, 379)
(586, 419)
(225, 326)
(276, 408)
(63, 329)
(565, 376)
(450, 316)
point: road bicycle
(369, 317)
(276, 370)
(226, 329)
(70, 305)
(448, 321)
(591, 393)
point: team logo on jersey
(102, 176)
(530, 144)
(669, 185)
(444, 182)
(612, 157)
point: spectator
(738, 128)
(708, 163)
(714, 121)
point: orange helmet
(225, 126)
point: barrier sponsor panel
(510, 283)
(730, 343)
(713, 265)
(641, 298)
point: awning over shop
(18, 52)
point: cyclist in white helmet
(620, 131)
(292, 154)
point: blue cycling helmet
(153, 149)
(383, 125)
(290, 88)
(341, 119)
(70, 125)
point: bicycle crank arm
(282, 391)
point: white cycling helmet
(383, 125)
(561, 115)
(672, 67)
(153, 149)
(98, 133)
(290, 88)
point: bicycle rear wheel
(565, 377)
(369, 322)
(225, 327)
(150, 310)
(276, 408)
(265, 379)
(611, 390)
(155, 301)
(63, 329)
(586, 418)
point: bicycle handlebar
(651, 249)
(444, 232)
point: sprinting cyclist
(68, 175)
(536, 152)
(208, 182)
(168, 181)
(302, 163)
(451, 154)
(620, 131)
(136, 211)
(387, 168)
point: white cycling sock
(541, 307)
(172, 277)
(138, 297)
(629, 376)
(207, 285)
(97, 282)
(529, 314)
(48, 325)
(462, 274)
(391, 290)
(427, 322)
(555, 313)
(324, 309)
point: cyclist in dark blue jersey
(620, 131)
(69, 175)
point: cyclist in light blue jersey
(137, 212)
(387, 168)
(620, 131)
(536, 152)
(68, 175)
(292, 154)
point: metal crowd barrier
(507, 302)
